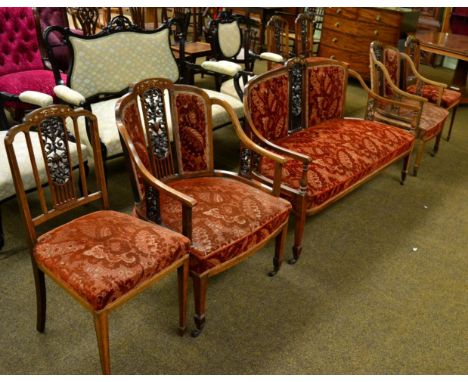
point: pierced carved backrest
(85, 19)
(277, 36)
(326, 91)
(46, 134)
(266, 102)
(390, 57)
(120, 55)
(304, 31)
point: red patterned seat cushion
(230, 217)
(105, 254)
(432, 120)
(343, 152)
(449, 97)
(37, 80)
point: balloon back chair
(387, 79)
(227, 216)
(23, 76)
(103, 258)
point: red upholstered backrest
(269, 105)
(19, 48)
(326, 92)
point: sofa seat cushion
(343, 152)
(449, 97)
(230, 217)
(37, 80)
(103, 255)
(7, 187)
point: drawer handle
(378, 18)
(334, 39)
(337, 24)
(338, 11)
(376, 32)
(332, 56)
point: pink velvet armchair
(21, 67)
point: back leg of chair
(452, 119)
(182, 276)
(2, 240)
(41, 303)
(419, 155)
(101, 324)
(436, 144)
(200, 284)
(280, 242)
(404, 170)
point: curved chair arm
(28, 96)
(395, 88)
(70, 96)
(251, 145)
(268, 56)
(228, 68)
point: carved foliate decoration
(277, 33)
(296, 89)
(156, 119)
(370, 112)
(255, 160)
(245, 156)
(121, 23)
(88, 18)
(54, 138)
(153, 211)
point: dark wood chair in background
(387, 80)
(85, 19)
(227, 217)
(277, 39)
(304, 27)
(103, 258)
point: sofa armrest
(68, 95)
(222, 67)
(36, 98)
(273, 57)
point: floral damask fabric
(105, 254)
(229, 218)
(193, 133)
(432, 120)
(269, 106)
(327, 89)
(343, 152)
(431, 92)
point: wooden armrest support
(419, 76)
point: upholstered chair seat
(103, 255)
(230, 218)
(7, 187)
(336, 167)
(449, 97)
(432, 120)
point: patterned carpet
(381, 288)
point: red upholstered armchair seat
(343, 151)
(449, 97)
(230, 217)
(104, 255)
(39, 80)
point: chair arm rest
(419, 76)
(269, 56)
(68, 95)
(222, 67)
(36, 98)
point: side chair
(227, 217)
(102, 258)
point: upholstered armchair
(297, 111)
(386, 79)
(24, 82)
(106, 64)
(227, 217)
(414, 83)
(103, 258)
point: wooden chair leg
(418, 159)
(182, 276)
(39, 281)
(436, 144)
(101, 324)
(2, 240)
(200, 285)
(452, 119)
(404, 170)
(280, 242)
(299, 216)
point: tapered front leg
(200, 285)
(280, 242)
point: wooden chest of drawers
(348, 32)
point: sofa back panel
(192, 132)
(111, 63)
(269, 105)
(19, 47)
(326, 91)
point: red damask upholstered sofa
(298, 111)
